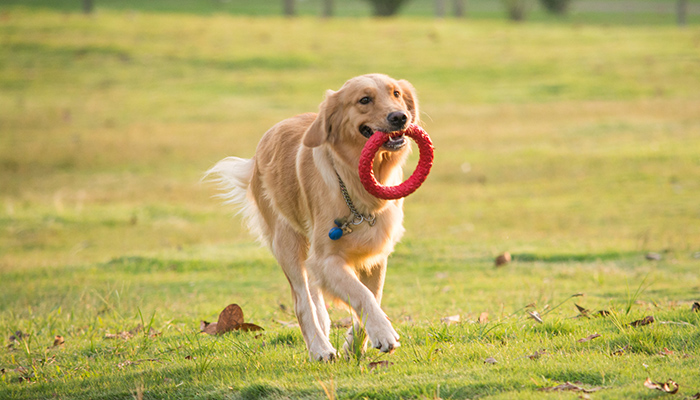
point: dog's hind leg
(290, 249)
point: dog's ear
(410, 98)
(320, 130)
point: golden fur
(290, 195)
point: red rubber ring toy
(425, 162)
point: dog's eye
(365, 100)
(396, 93)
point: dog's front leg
(290, 249)
(342, 281)
(373, 279)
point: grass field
(575, 146)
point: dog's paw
(385, 339)
(323, 355)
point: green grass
(576, 147)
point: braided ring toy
(425, 162)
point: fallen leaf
(18, 336)
(583, 311)
(137, 362)
(696, 396)
(230, 319)
(537, 354)
(695, 307)
(490, 360)
(602, 313)
(669, 386)
(246, 327)
(483, 317)
(207, 327)
(452, 319)
(536, 316)
(620, 351)
(589, 338)
(379, 364)
(503, 259)
(568, 386)
(665, 352)
(190, 358)
(58, 340)
(646, 321)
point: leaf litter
(589, 338)
(669, 386)
(569, 386)
(642, 322)
(230, 319)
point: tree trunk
(289, 8)
(327, 8)
(440, 8)
(88, 6)
(681, 12)
(458, 7)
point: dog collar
(343, 226)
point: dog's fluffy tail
(233, 175)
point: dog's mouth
(393, 144)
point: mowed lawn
(573, 146)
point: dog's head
(364, 105)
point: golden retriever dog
(303, 181)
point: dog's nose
(397, 119)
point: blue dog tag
(335, 233)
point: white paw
(385, 338)
(322, 353)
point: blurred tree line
(516, 10)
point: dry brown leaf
(503, 259)
(207, 327)
(669, 386)
(536, 316)
(641, 322)
(537, 354)
(246, 327)
(583, 311)
(58, 340)
(379, 364)
(601, 313)
(589, 338)
(695, 307)
(568, 386)
(18, 336)
(620, 351)
(696, 396)
(483, 317)
(230, 319)
(490, 360)
(665, 352)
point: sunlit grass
(573, 147)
